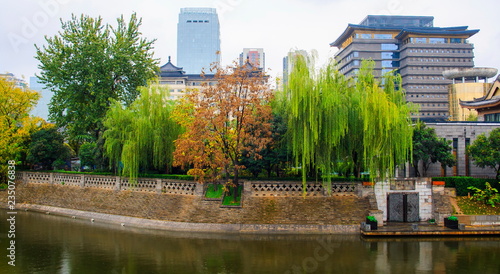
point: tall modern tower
(198, 39)
(412, 46)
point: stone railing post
(82, 180)
(51, 178)
(198, 189)
(159, 186)
(118, 183)
(247, 187)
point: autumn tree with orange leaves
(223, 122)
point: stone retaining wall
(257, 213)
(195, 227)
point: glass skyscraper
(198, 39)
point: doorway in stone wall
(402, 207)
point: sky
(278, 26)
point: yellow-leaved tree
(16, 125)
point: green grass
(228, 199)
(211, 193)
(471, 207)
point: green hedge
(462, 183)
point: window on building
(494, 117)
(437, 40)
(364, 35)
(390, 55)
(382, 36)
(389, 47)
(456, 40)
(420, 40)
(390, 64)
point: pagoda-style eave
(492, 103)
(404, 31)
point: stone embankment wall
(180, 201)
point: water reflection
(51, 244)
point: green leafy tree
(428, 148)
(88, 64)
(141, 136)
(333, 119)
(276, 156)
(87, 155)
(47, 147)
(485, 151)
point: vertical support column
(82, 180)
(51, 178)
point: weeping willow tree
(355, 122)
(142, 135)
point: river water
(54, 244)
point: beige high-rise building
(467, 86)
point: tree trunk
(236, 184)
(356, 166)
(415, 166)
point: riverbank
(287, 215)
(95, 217)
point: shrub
(452, 218)
(461, 184)
(489, 195)
(371, 218)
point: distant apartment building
(198, 39)
(413, 47)
(287, 65)
(42, 107)
(254, 56)
(179, 81)
(10, 77)
(468, 85)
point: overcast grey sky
(275, 25)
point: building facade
(254, 56)
(42, 107)
(413, 47)
(467, 86)
(20, 83)
(462, 134)
(198, 39)
(179, 81)
(488, 106)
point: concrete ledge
(192, 227)
(479, 220)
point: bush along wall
(462, 183)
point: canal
(54, 244)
